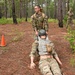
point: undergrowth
(4, 21)
(71, 38)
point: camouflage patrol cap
(42, 32)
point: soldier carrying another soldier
(48, 57)
(39, 20)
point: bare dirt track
(14, 58)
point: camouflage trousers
(49, 67)
(69, 23)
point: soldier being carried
(48, 57)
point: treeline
(56, 9)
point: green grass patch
(72, 62)
(71, 38)
(4, 21)
(4, 48)
(53, 20)
(49, 20)
(18, 35)
(65, 19)
(29, 19)
(74, 21)
(16, 39)
(20, 20)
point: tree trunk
(64, 7)
(9, 9)
(0, 13)
(60, 14)
(37, 2)
(32, 7)
(47, 8)
(13, 12)
(42, 4)
(26, 12)
(6, 8)
(55, 9)
(74, 8)
(68, 5)
(20, 8)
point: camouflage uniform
(39, 21)
(47, 66)
(70, 18)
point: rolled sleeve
(46, 23)
(54, 53)
(33, 22)
(34, 49)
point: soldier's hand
(61, 65)
(32, 65)
(47, 32)
(36, 32)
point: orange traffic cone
(3, 41)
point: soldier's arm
(46, 23)
(32, 54)
(54, 53)
(33, 22)
(57, 58)
(34, 49)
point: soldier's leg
(72, 23)
(67, 23)
(44, 67)
(55, 67)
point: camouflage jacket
(39, 21)
(70, 15)
(35, 47)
